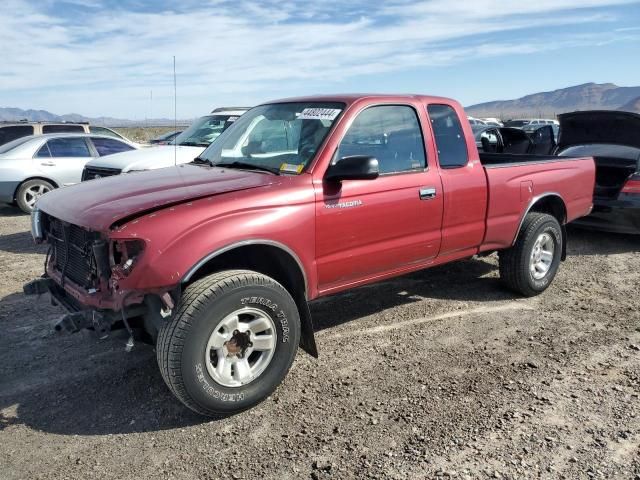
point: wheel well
(276, 263)
(553, 205)
(266, 259)
(15, 193)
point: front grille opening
(71, 251)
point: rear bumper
(7, 191)
(617, 216)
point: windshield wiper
(247, 166)
(194, 144)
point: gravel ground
(440, 373)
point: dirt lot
(440, 373)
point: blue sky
(105, 58)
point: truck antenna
(175, 113)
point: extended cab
(300, 198)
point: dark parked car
(532, 128)
(613, 139)
(166, 138)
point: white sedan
(31, 166)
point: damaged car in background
(612, 138)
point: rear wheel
(531, 264)
(30, 191)
(231, 342)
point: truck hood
(98, 204)
(148, 158)
(599, 126)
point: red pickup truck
(301, 198)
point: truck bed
(517, 181)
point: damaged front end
(88, 274)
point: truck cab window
(390, 133)
(450, 139)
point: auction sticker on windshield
(319, 114)
(289, 168)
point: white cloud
(104, 60)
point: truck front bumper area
(81, 316)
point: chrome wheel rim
(33, 193)
(541, 256)
(241, 347)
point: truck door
(464, 181)
(365, 228)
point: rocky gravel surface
(438, 374)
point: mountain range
(11, 114)
(588, 96)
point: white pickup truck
(188, 145)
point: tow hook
(72, 323)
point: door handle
(427, 193)
(48, 164)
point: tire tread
(172, 335)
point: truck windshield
(281, 137)
(204, 130)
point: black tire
(24, 193)
(182, 341)
(515, 270)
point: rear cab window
(12, 132)
(451, 142)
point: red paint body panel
(509, 198)
(383, 229)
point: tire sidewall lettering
(280, 315)
(212, 391)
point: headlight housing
(125, 254)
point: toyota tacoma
(217, 260)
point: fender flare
(533, 201)
(307, 337)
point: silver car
(31, 166)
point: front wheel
(531, 264)
(231, 342)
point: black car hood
(599, 126)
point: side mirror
(356, 167)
